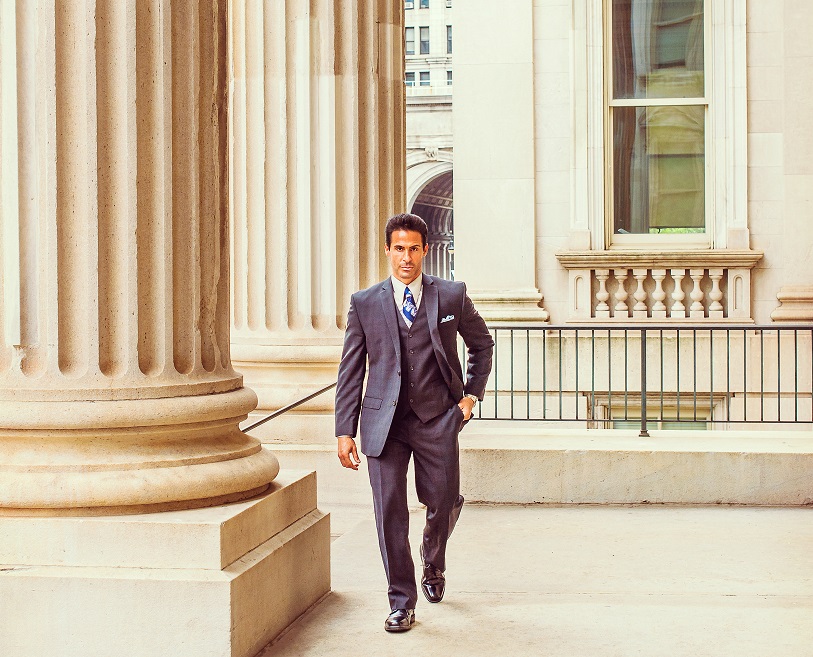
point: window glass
(424, 3)
(448, 77)
(657, 49)
(410, 79)
(424, 78)
(424, 32)
(449, 39)
(410, 40)
(659, 169)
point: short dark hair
(406, 222)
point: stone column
(317, 166)
(116, 386)
(117, 394)
(494, 196)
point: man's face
(406, 253)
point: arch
(421, 171)
(434, 202)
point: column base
(221, 581)
(282, 374)
(512, 307)
(795, 304)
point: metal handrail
(291, 406)
(706, 377)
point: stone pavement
(581, 581)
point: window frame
(647, 240)
(409, 81)
(407, 31)
(421, 41)
(448, 39)
(421, 79)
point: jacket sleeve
(351, 375)
(479, 346)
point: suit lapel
(390, 315)
(429, 301)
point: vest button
(411, 351)
(411, 400)
(411, 385)
(410, 335)
(394, 403)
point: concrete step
(525, 463)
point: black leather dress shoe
(433, 583)
(400, 620)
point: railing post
(644, 433)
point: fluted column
(116, 386)
(317, 165)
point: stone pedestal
(220, 581)
(317, 166)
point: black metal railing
(616, 375)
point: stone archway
(434, 202)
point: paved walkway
(581, 582)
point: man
(414, 405)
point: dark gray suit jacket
(372, 335)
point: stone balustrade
(689, 286)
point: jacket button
(411, 385)
(394, 403)
(399, 372)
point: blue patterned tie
(409, 309)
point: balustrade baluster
(640, 309)
(678, 295)
(621, 294)
(659, 308)
(697, 310)
(602, 309)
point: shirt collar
(416, 287)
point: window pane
(424, 78)
(424, 40)
(410, 79)
(449, 39)
(658, 169)
(424, 3)
(657, 49)
(410, 40)
(448, 77)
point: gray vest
(423, 388)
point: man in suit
(414, 405)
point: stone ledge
(523, 463)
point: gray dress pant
(434, 447)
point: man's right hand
(347, 452)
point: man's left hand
(466, 405)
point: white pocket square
(448, 318)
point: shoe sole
(398, 629)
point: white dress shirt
(416, 287)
